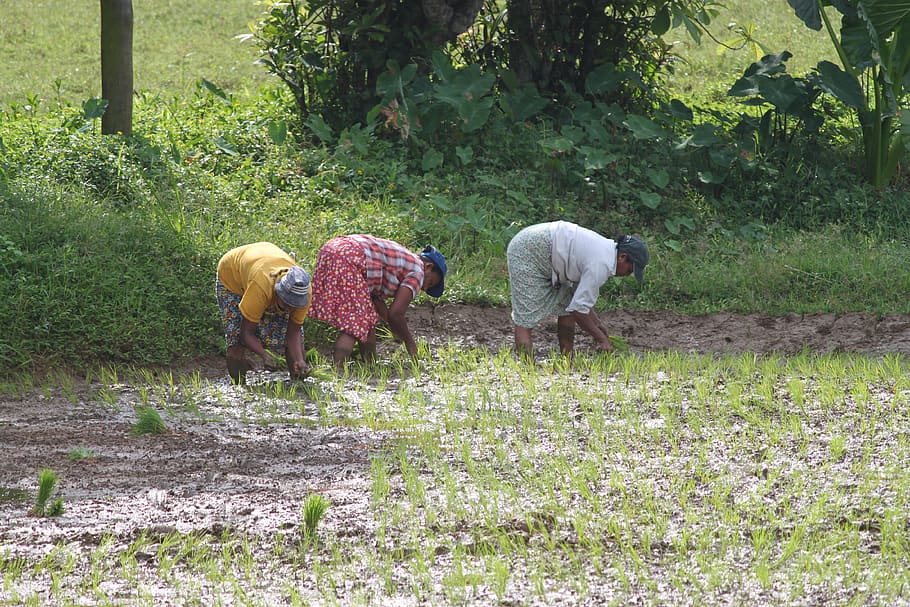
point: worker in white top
(558, 268)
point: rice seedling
(79, 454)
(148, 422)
(315, 506)
(47, 482)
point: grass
(47, 483)
(51, 49)
(314, 508)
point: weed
(80, 453)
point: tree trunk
(522, 47)
(117, 66)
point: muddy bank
(646, 330)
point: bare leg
(523, 342)
(368, 347)
(565, 334)
(344, 346)
(237, 364)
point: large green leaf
(855, 40)
(645, 128)
(769, 65)
(604, 79)
(808, 11)
(784, 92)
(884, 14)
(844, 87)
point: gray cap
(637, 250)
(294, 287)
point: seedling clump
(149, 422)
(47, 481)
(314, 507)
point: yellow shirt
(251, 271)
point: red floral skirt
(341, 296)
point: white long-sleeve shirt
(583, 260)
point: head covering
(432, 254)
(637, 250)
(294, 287)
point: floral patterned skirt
(272, 330)
(341, 296)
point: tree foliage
(330, 53)
(873, 45)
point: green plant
(314, 508)
(80, 453)
(47, 482)
(874, 52)
(765, 82)
(148, 422)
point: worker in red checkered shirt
(361, 279)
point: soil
(218, 470)
(660, 331)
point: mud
(649, 331)
(241, 461)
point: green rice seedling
(79, 454)
(381, 486)
(314, 508)
(619, 344)
(837, 448)
(47, 482)
(148, 422)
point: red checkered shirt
(389, 266)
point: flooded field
(736, 460)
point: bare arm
(381, 308)
(296, 360)
(591, 324)
(248, 337)
(396, 319)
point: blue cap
(432, 253)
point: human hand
(605, 345)
(299, 369)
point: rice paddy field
(470, 478)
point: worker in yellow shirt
(263, 296)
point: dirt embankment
(646, 330)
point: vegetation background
(108, 249)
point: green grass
(148, 421)
(710, 68)
(175, 43)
